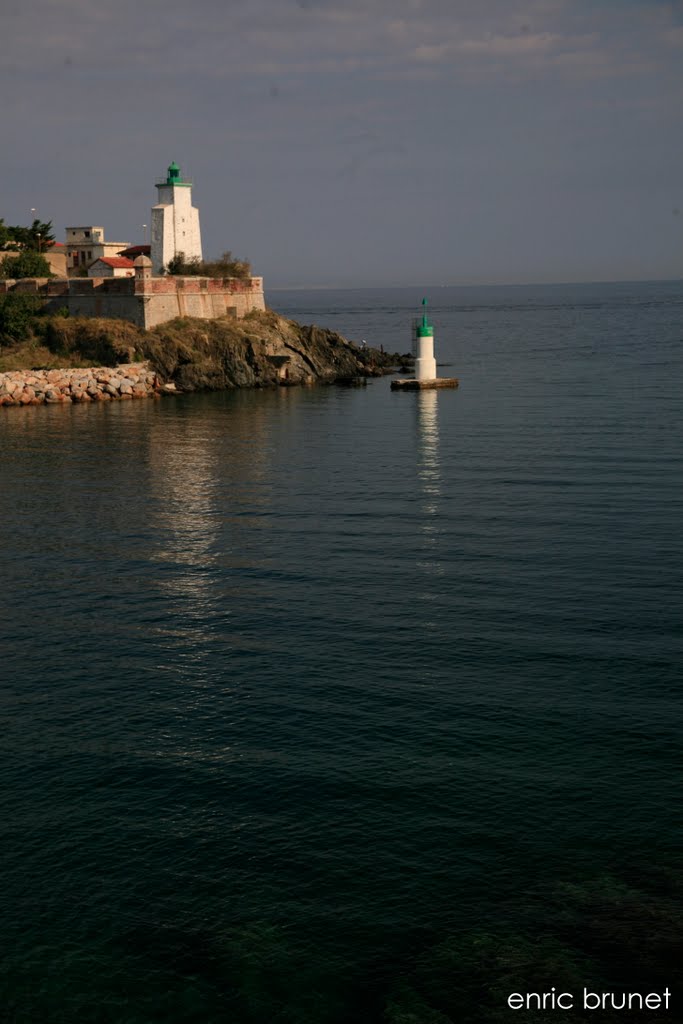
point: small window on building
(89, 255)
(87, 234)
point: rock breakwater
(95, 384)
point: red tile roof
(116, 261)
(136, 250)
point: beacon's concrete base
(421, 385)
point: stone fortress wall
(144, 300)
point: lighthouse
(175, 221)
(425, 363)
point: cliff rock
(261, 350)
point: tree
(180, 265)
(232, 266)
(27, 264)
(41, 235)
(38, 237)
(17, 313)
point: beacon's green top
(425, 329)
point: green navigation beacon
(425, 329)
(425, 362)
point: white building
(85, 244)
(112, 266)
(175, 221)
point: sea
(331, 704)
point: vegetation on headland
(225, 266)
(23, 248)
(37, 238)
(58, 341)
(28, 263)
(19, 315)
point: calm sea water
(296, 683)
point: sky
(351, 143)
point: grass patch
(32, 355)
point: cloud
(284, 107)
(673, 36)
(511, 46)
(220, 39)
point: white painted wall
(425, 363)
(175, 226)
(100, 269)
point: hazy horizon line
(490, 284)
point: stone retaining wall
(144, 301)
(95, 384)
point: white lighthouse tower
(175, 221)
(425, 363)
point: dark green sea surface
(339, 704)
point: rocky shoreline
(259, 351)
(95, 384)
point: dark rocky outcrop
(262, 350)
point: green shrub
(26, 264)
(17, 315)
(226, 266)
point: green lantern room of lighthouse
(425, 329)
(174, 177)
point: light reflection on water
(428, 447)
(431, 505)
(344, 661)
